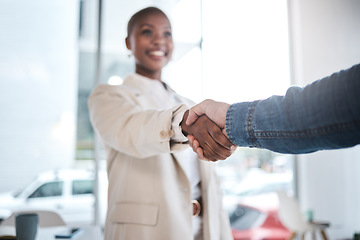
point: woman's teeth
(157, 53)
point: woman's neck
(156, 75)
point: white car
(68, 192)
(256, 182)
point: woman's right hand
(209, 141)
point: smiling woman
(150, 40)
(209, 52)
(149, 162)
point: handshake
(204, 126)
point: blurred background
(229, 50)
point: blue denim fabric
(323, 115)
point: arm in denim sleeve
(322, 115)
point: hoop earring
(129, 54)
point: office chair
(291, 217)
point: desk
(88, 233)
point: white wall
(38, 88)
(325, 38)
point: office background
(227, 50)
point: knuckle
(217, 134)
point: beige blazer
(149, 193)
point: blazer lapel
(182, 174)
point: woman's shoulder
(125, 86)
(105, 87)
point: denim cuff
(236, 124)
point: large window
(230, 50)
(246, 57)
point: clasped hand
(207, 139)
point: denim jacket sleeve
(323, 115)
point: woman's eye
(168, 34)
(146, 32)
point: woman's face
(151, 42)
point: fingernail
(233, 148)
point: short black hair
(140, 14)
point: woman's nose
(159, 39)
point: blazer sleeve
(125, 126)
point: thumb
(196, 111)
(191, 117)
